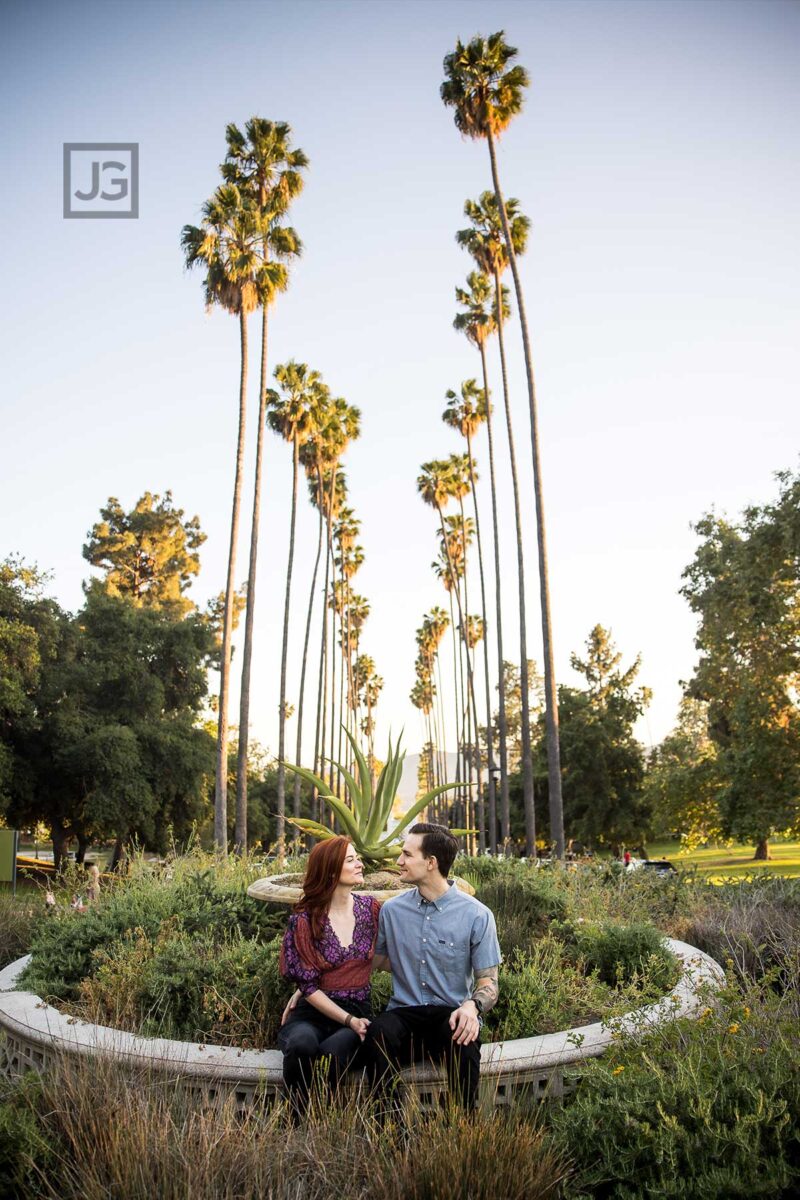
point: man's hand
(465, 1024)
(291, 1005)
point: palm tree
(489, 251)
(267, 173)
(477, 321)
(345, 533)
(228, 245)
(439, 482)
(466, 414)
(292, 415)
(486, 94)
(340, 425)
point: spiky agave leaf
(320, 832)
(339, 807)
(417, 808)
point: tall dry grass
(143, 1137)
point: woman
(327, 951)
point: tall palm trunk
(462, 622)
(332, 755)
(464, 713)
(454, 631)
(445, 775)
(527, 758)
(281, 829)
(489, 734)
(221, 786)
(240, 834)
(322, 683)
(474, 750)
(551, 698)
(502, 723)
(299, 746)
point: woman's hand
(291, 1005)
(359, 1025)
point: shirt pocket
(447, 949)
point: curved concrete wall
(34, 1033)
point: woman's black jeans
(312, 1041)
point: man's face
(414, 868)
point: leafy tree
(682, 786)
(114, 749)
(31, 628)
(744, 585)
(603, 763)
(149, 554)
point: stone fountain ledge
(34, 1034)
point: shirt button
(423, 985)
(422, 960)
(424, 939)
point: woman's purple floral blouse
(342, 972)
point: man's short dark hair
(437, 842)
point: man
(441, 946)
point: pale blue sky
(658, 159)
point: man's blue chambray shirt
(436, 946)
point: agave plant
(365, 814)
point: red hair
(325, 864)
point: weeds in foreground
(108, 1133)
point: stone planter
(287, 889)
(33, 1035)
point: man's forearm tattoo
(486, 987)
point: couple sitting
(439, 943)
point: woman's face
(352, 868)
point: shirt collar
(441, 901)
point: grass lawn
(726, 862)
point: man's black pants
(414, 1033)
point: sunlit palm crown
(350, 561)
(485, 95)
(479, 318)
(229, 244)
(484, 239)
(261, 161)
(347, 528)
(266, 173)
(460, 535)
(466, 412)
(293, 410)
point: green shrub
(523, 907)
(540, 992)
(704, 1109)
(188, 987)
(620, 954)
(64, 946)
